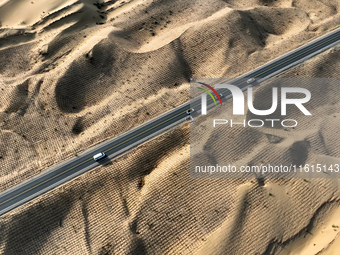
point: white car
(190, 111)
(251, 80)
(99, 156)
(221, 95)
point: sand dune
(74, 73)
(282, 216)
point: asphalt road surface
(65, 171)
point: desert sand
(74, 73)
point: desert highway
(75, 166)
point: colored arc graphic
(208, 94)
(213, 90)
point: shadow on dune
(27, 232)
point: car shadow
(104, 161)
